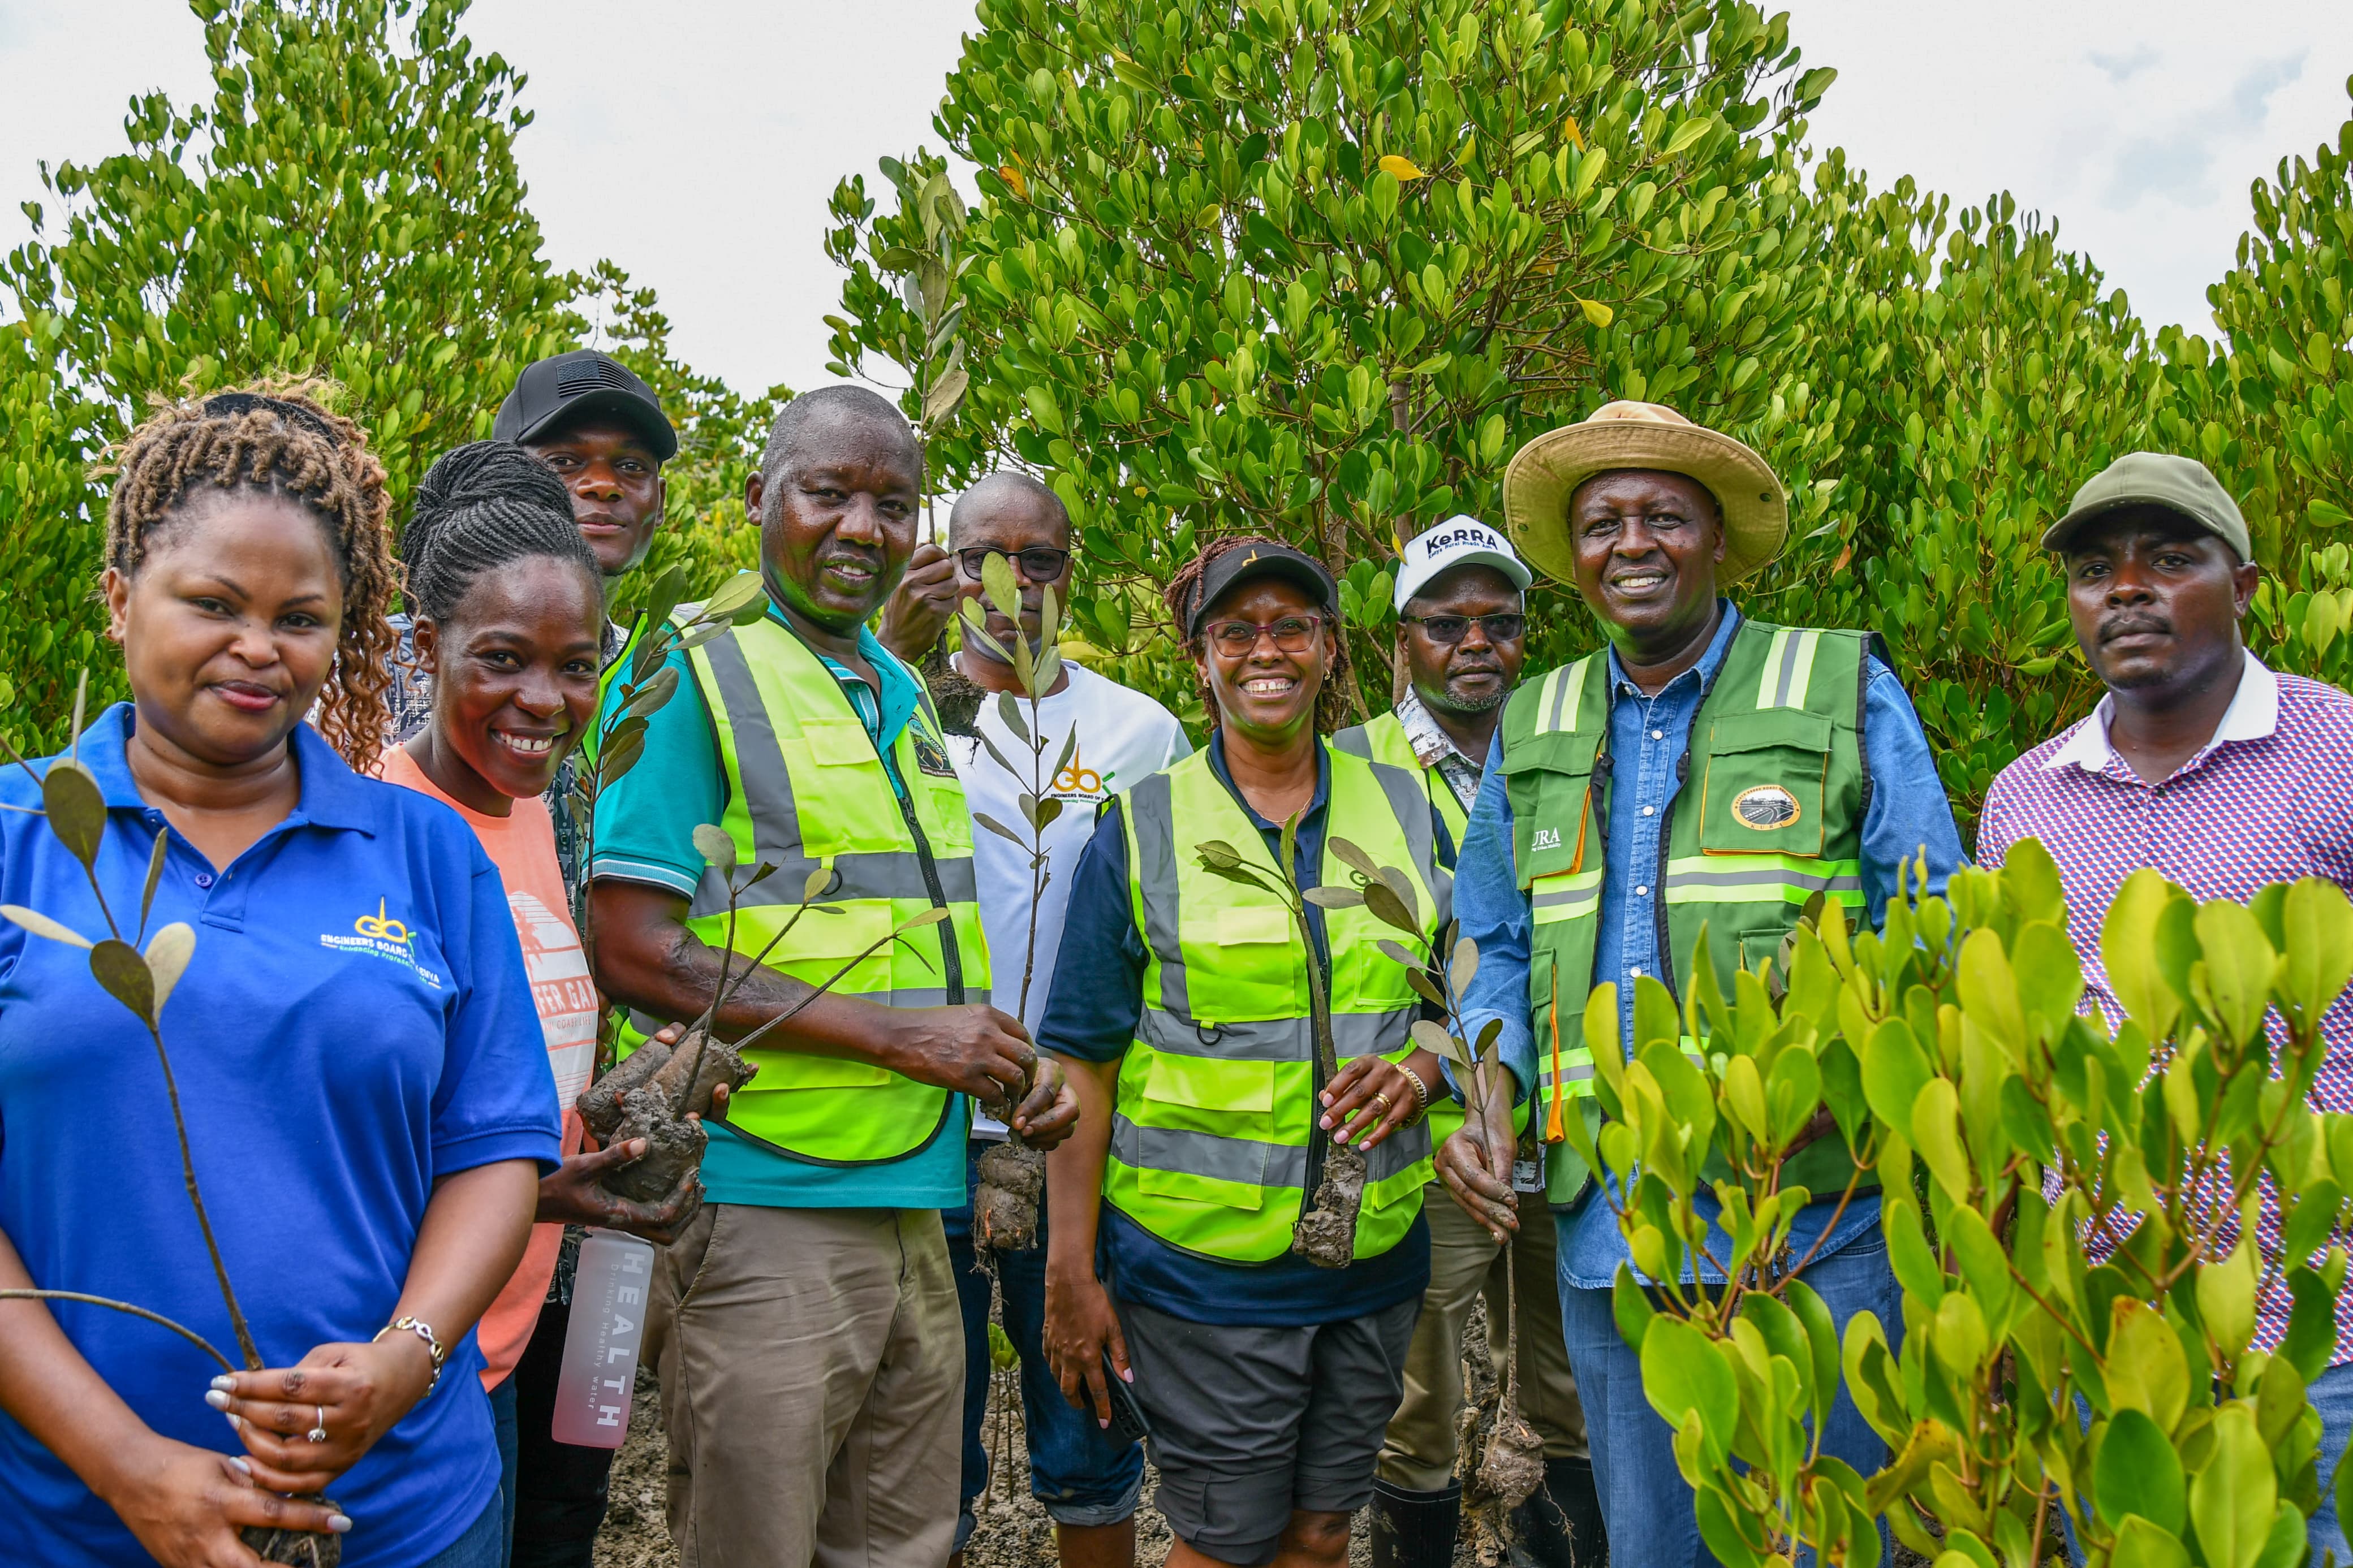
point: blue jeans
(1645, 1505)
(484, 1545)
(502, 1417)
(1078, 1474)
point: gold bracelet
(1420, 1093)
(422, 1331)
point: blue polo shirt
(355, 1024)
(645, 833)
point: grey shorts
(1250, 1423)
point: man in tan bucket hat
(1705, 772)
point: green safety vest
(1770, 813)
(1210, 1146)
(1383, 740)
(806, 789)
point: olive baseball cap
(2182, 486)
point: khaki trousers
(1465, 1264)
(812, 1382)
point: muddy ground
(1013, 1532)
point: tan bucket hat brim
(1627, 434)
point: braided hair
(1180, 598)
(276, 439)
(481, 508)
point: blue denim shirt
(1648, 735)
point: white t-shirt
(1123, 737)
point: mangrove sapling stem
(253, 1361)
(182, 1330)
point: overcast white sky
(697, 144)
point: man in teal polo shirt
(806, 1326)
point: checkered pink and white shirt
(2269, 799)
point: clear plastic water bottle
(611, 1292)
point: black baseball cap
(1261, 560)
(568, 388)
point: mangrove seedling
(1012, 1173)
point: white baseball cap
(1458, 541)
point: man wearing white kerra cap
(1703, 775)
(1461, 638)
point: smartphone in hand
(1127, 1422)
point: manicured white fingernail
(339, 1524)
(225, 1383)
(217, 1398)
(236, 1462)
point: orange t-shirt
(523, 847)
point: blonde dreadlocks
(277, 440)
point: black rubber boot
(1415, 1529)
(1560, 1526)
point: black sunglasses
(1450, 629)
(229, 404)
(1038, 564)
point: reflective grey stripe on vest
(1578, 900)
(1356, 739)
(647, 1024)
(1275, 1040)
(1409, 803)
(1247, 1161)
(768, 787)
(1155, 876)
(1766, 876)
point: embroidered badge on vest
(931, 757)
(1766, 807)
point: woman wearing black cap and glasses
(1182, 1003)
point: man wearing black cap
(1265, 1356)
(2224, 776)
(600, 428)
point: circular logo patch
(1766, 807)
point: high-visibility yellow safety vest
(1775, 786)
(1384, 741)
(806, 788)
(1211, 1143)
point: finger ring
(1383, 1101)
(319, 1434)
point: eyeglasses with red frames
(1038, 564)
(1238, 639)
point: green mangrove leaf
(2127, 940)
(2145, 1367)
(168, 952)
(2317, 922)
(1684, 1375)
(2226, 1299)
(2232, 1497)
(154, 875)
(2240, 965)
(2147, 1545)
(77, 810)
(1895, 1071)
(1988, 990)
(118, 966)
(2138, 1472)
(715, 845)
(39, 924)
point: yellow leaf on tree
(1403, 168)
(1012, 177)
(1599, 314)
(1575, 136)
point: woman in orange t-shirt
(508, 608)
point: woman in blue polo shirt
(367, 1096)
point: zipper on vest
(951, 957)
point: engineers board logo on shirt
(931, 757)
(380, 936)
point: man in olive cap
(2200, 762)
(1704, 772)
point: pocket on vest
(1763, 790)
(1549, 781)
